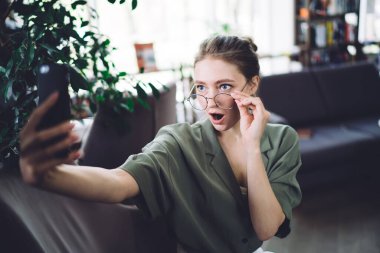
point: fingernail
(55, 94)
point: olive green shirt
(184, 175)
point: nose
(210, 98)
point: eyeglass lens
(223, 101)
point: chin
(220, 128)
(223, 126)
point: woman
(225, 184)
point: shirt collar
(218, 160)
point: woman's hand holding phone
(36, 158)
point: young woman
(225, 184)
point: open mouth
(217, 116)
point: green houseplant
(48, 31)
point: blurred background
(320, 63)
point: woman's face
(213, 76)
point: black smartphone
(50, 78)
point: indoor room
(184, 126)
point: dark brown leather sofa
(37, 221)
(336, 111)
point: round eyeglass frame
(194, 96)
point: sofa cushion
(333, 144)
(350, 90)
(13, 231)
(56, 223)
(370, 125)
(294, 96)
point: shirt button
(244, 240)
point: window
(177, 27)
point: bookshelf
(326, 31)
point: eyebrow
(217, 82)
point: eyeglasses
(222, 100)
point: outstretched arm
(40, 167)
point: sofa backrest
(294, 96)
(108, 148)
(350, 90)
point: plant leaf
(31, 51)
(6, 94)
(134, 4)
(77, 80)
(9, 67)
(79, 2)
(81, 63)
(85, 23)
(86, 34)
(144, 103)
(141, 92)
(156, 92)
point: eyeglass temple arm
(191, 91)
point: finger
(49, 152)
(247, 100)
(254, 104)
(239, 95)
(33, 141)
(53, 163)
(34, 174)
(50, 133)
(257, 107)
(41, 110)
(252, 100)
(29, 174)
(243, 110)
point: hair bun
(251, 43)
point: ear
(254, 85)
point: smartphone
(50, 78)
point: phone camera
(44, 69)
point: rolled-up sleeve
(151, 171)
(282, 173)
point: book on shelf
(319, 57)
(302, 33)
(350, 33)
(333, 7)
(320, 34)
(330, 33)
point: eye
(225, 87)
(200, 88)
